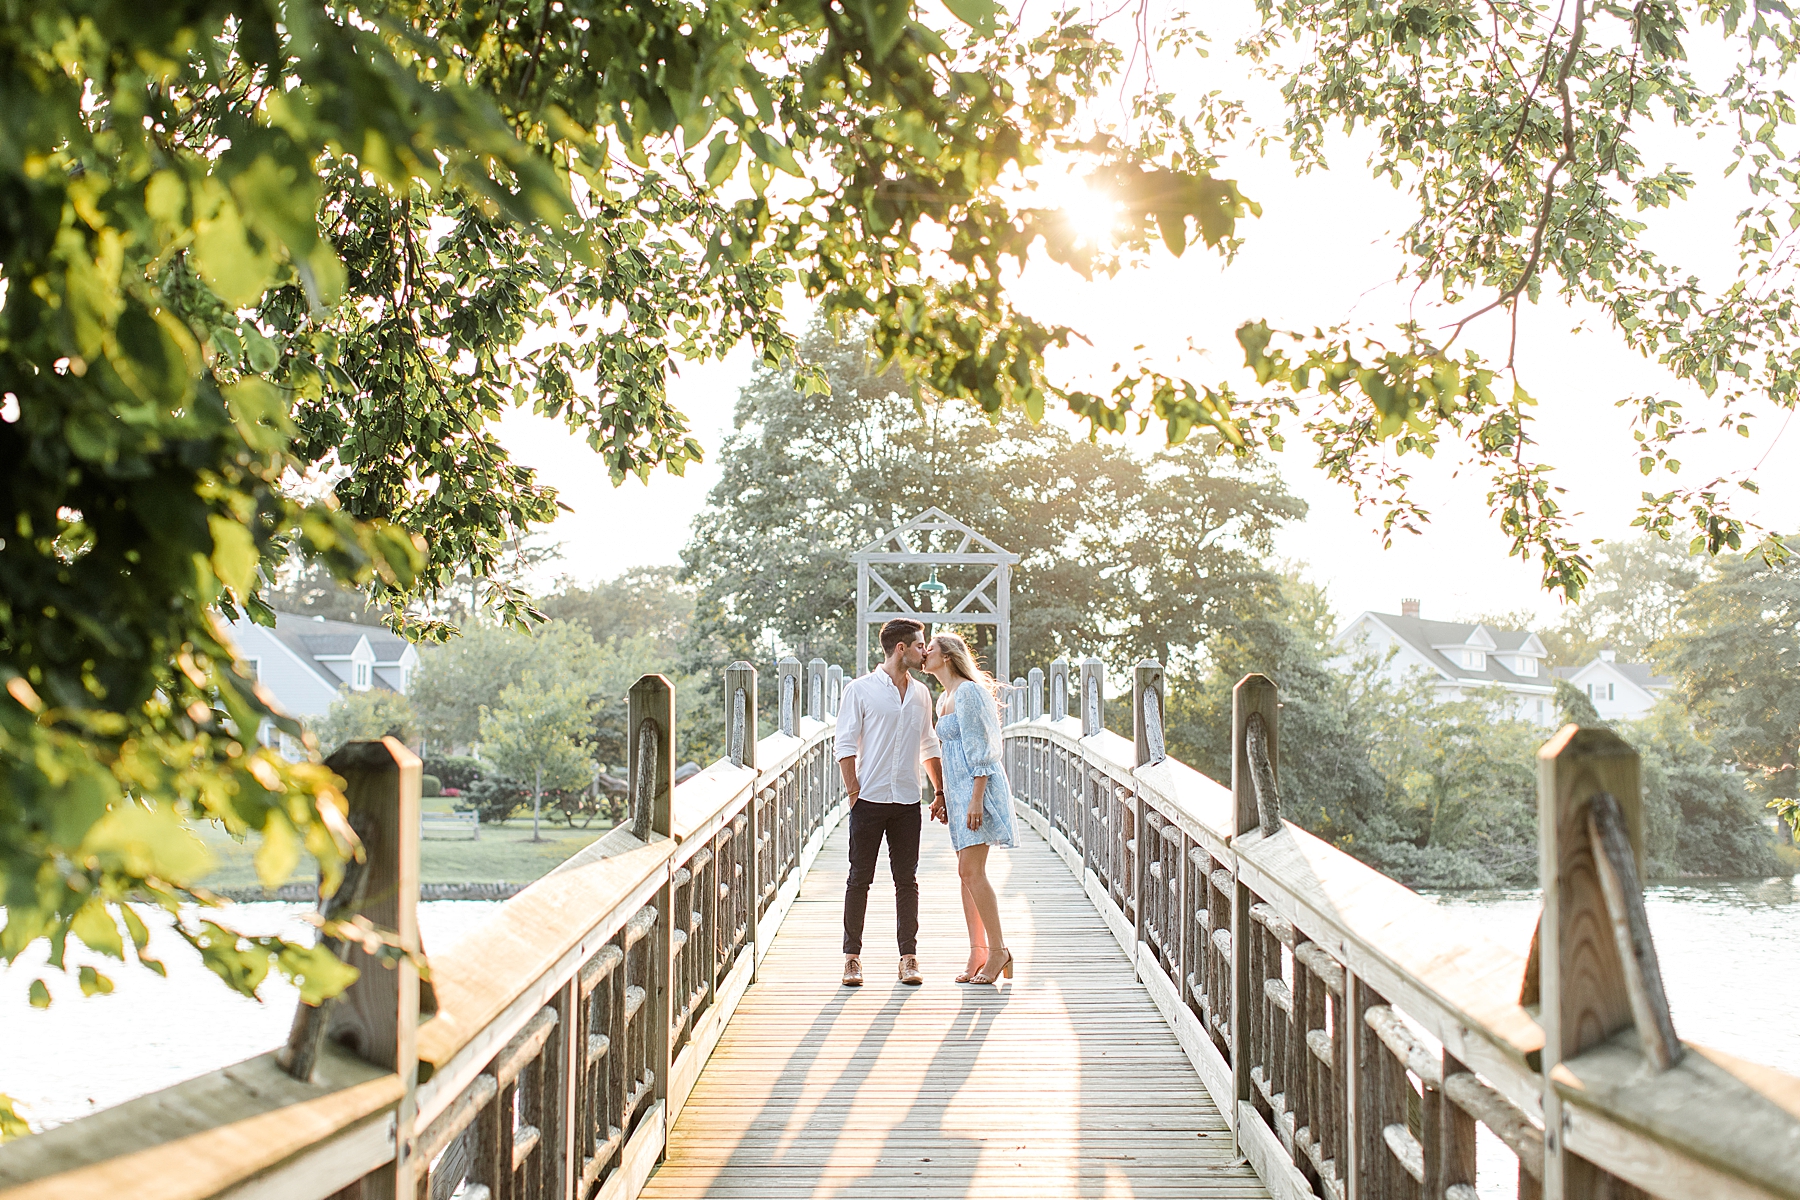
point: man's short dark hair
(898, 630)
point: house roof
(1424, 637)
(1639, 674)
(333, 645)
(312, 639)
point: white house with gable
(1461, 660)
(1619, 691)
(304, 662)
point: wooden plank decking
(1064, 1082)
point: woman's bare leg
(971, 865)
(977, 942)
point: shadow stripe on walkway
(1062, 1082)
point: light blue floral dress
(971, 747)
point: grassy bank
(505, 854)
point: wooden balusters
(1454, 1162)
(1320, 1030)
(598, 1118)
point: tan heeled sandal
(1006, 971)
(971, 972)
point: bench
(450, 825)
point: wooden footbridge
(1210, 1002)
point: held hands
(939, 812)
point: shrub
(495, 797)
(430, 785)
(576, 806)
(455, 770)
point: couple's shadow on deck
(922, 1068)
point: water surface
(87, 1053)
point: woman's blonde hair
(962, 661)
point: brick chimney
(1409, 608)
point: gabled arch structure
(925, 541)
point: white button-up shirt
(889, 734)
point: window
(1600, 691)
(1526, 667)
(253, 668)
(362, 677)
(1475, 660)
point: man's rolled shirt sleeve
(929, 748)
(849, 724)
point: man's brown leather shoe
(853, 971)
(909, 970)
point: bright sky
(1320, 253)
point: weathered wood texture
(1357, 1034)
(1063, 1082)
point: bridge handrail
(541, 1065)
(1305, 936)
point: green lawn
(505, 854)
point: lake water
(87, 1053)
(1730, 955)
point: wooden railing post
(815, 689)
(1147, 697)
(1016, 698)
(740, 751)
(1254, 696)
(1034, 693)
(788, 693)
(376, 1017)
(651, 720)
(1059, 688)
(1093, 695)
(834, 689)
(1147, 736)
(1597, 968)
(651, 723)
(740, 714)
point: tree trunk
(537, 802)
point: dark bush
(495, 797)
(581, 808)
(431, 785)
(454, 770)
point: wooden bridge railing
(1354, 1034)
(545, 1056)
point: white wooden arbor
(989, 602)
